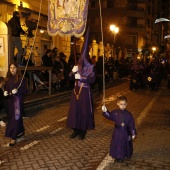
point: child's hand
(133, 137)
(5, 93)
(104, 109)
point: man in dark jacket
(48, 62)
(47, 59)
(15, 25)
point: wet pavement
(47, 146)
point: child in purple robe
(121, 144)
(2, 99)
(15, 88)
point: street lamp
(162, 20)
(167, 36)
(153, 49)
(153, 52)
(115, 30)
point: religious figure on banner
(67, 17)
(60, 2)
(71, 8)
(52, 10)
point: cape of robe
(81, 111)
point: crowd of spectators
(139, 71)
(60, 71)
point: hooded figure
(81, 112)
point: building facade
(135, 19)
(29, 11)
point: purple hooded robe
(121, 144)
(15, 122)
(81, 111)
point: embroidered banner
(67, 17)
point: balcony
(130, 47)
(135, 28)
(111, 12)
(136, 13)
(135, 8)
(141, 1)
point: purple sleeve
(109, 115)
(132, 127)
(6, 87)
(89, 79)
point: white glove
(75, 69)
(5, 93)
(104, 109)
(133, 137)
(77, 76)
(14, 91)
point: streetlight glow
(153, 49)
(112, 27)
(115, 30)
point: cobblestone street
(47, 145)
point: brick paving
(47, 145)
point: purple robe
(15, 124)
(121, 144)
(81, 111)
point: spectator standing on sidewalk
(121, 145)
(15, 93)
(15, 25)
(2, 99)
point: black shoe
(25, 116)
(82, 134)
(81, 137)
(118, 160)
(73, 135)
(20, 135)
(12, 143)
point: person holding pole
(81, 111)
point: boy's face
(122, 104)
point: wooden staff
(75, 63)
